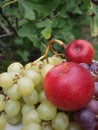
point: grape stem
(49, 48)
(57, 41)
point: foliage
(29, 24)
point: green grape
(27, 108)
(56, 60)
(32, 99)
(45, 69)
(39, 87)
(36, 77)
(31, 116)
(36, 67)
(13, 120)
(15, 67)
(42, 96)
(6, 80)
(2, 122)
(2, 102)
(74, 126)
(21, 102)
(28, 66)
(15, 74)
(60, 121)
(46, 125)
(25, 86)
(46, 111)
(13, 93)
(12, 107)
(4, 90)
(50, 60)
(32, 126)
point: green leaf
(28, 12)
(29, 31)
(65, 32)
(26, 30)
(46, 33)
(35, 40)
(44, 7)
(47, 25)
(44, 23)
(58, 23)
(24, 55)
(73, 6)
(12, 11)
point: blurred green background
(26, 26)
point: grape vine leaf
(28, 12)
(23, 54)
(29, 31)
(74, 5)
(47, 25)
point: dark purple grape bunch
(88, 117)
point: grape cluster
(88, 116)
(23, 99)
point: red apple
(80, 51)
(69, 86)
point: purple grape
(96, 89)
(86, 66)
(94, 67)
(96, 126)
(93, 106)
(93, 127)
(86, 119)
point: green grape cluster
(23, 98)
